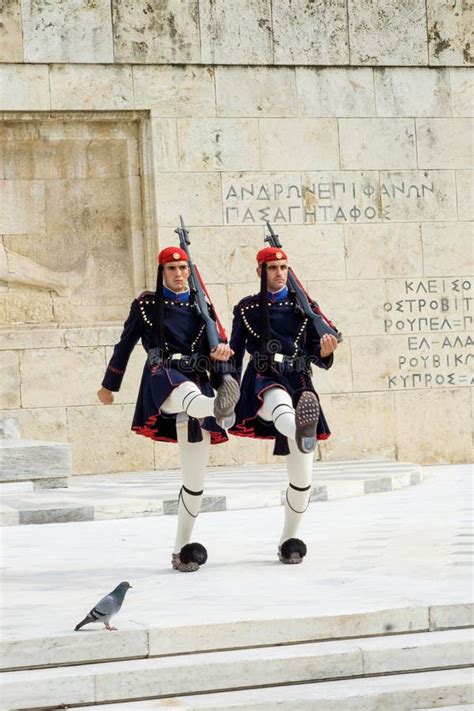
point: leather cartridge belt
(177, 360)
(297, 364)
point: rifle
(321, 324)
(214, 330)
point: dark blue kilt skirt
(254, 384)
(155, 387)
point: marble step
(142, 494)
(401, 692)
(136, 641)
(247, 668)
(47, 464)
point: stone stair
(27, 465)
(400, 658)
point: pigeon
(106, 608)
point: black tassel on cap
(264, 316)
(159, 313)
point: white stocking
(194, 457)
(300, 471)
(189, 399)
(278, 408)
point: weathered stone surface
(223, 254)
(373, 434)
(231, 34)
(24, 459)
(153, 32)
(10, 380)
(299, 144)
(42, 423)
(24, 88)
(377, 143)
(17, 307)
(199, 192)
(375, 359)
(23, 207)
(11, 47)
(450, 32)
(57, 32)
(445, 143)
(51, 376)
(256, 91)
(355, 306)
(337, 379)
(462, 91)
(324, 242)
(418, 195)
(335, 91)
(388, 34)
(422, 414)
(101, 440)
(465, 194)
(9, 426)
(75, 87)
(447, 248)
(165, 145)
(310, 33)
(218, 144)
(374, 251)
(175, 91)
(410, 91)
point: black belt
(173, 360)
(279, 361)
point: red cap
(172, 254)
(270, 254)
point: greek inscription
(324, 201)
(435, 316)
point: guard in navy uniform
(176, 401)
(278, 400)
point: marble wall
(117, 118)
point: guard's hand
(328, 345)
(222, 352)
(105, 396)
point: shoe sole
(306, 419)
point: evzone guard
(186, 395)
(284, 332)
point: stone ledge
(214, 671)
(30, 460)
(401, 691)
(229, 489)
(139, 642)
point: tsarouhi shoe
(227, 397)
(292, 551)
(306, 419)
(190, 558)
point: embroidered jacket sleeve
(238, 339)
(132, 330)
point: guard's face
(175, 276)
(277, 274)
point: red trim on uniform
(243, 430)
(115, 370)
(148, 430)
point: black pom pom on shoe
(193, 553)
(292, 551)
